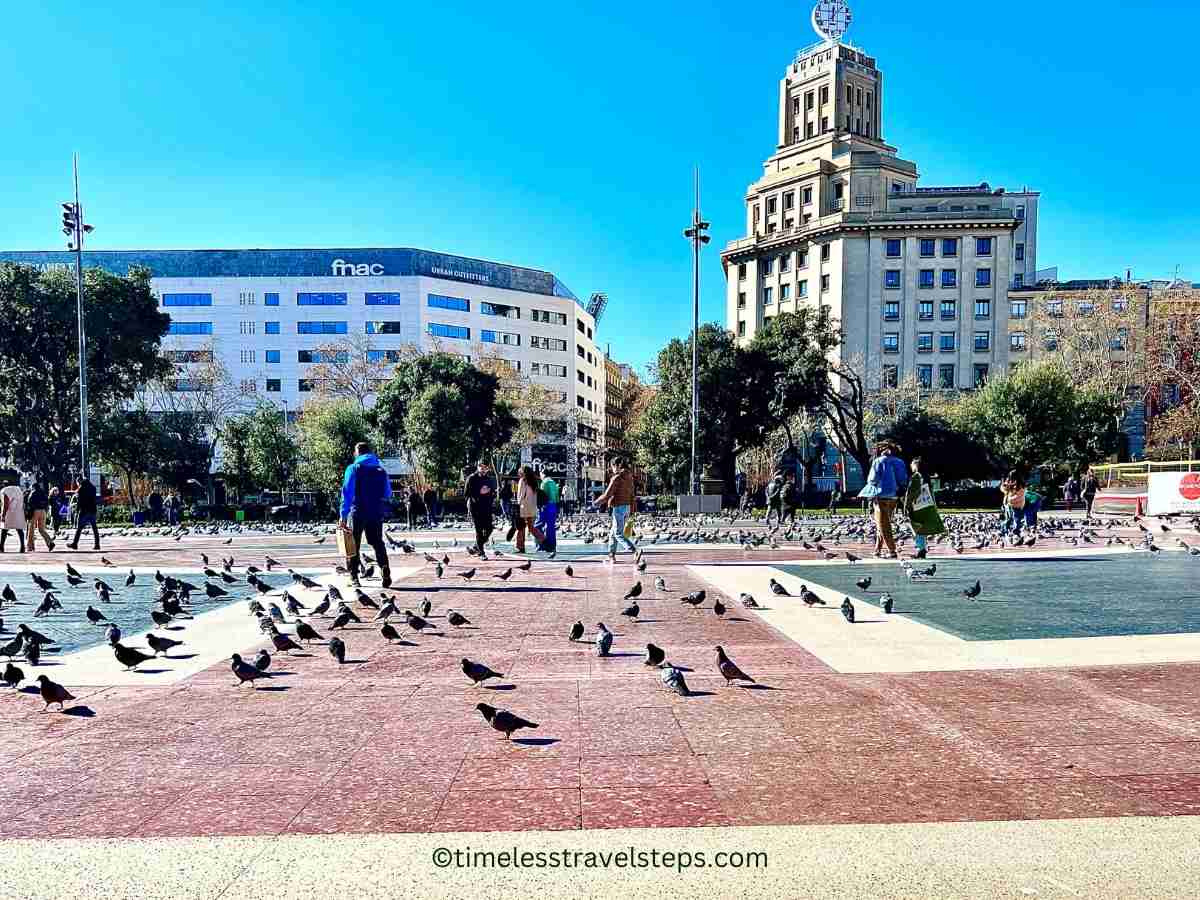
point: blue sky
(562, 136)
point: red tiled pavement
(394, 743)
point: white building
(917, 277)
(266, 313)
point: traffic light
(70, 219)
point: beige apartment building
(918, 277)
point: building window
(741, 300)
(247, 298)
(187, 300)
(802, 259)
(548, 317)
(188, 356)
(785, 262)
(499, 309)
(891, 342)
(1120, 340)
(946, 342)
(1086, 307)
(824, 283)
(789, 200)
(579, 402)
(190, 328)
(1018, 280)
(892, 248)
(384, 327)
(983, 278)
(946, 377)
(438, 301)
(383, 298)
(320, 328)
(1020, 212)
(983, 246)
(1016, 341)
(270, 328)
(305, 385)
(949, 278)
(981, 375)
(949, 246)
(325, 298)
(949, 309)
(925, 342)
(891, 278)
(272, 356)
(807, 195)
(771, 204)
(1054, 309)
(271, 299)
(891, 310)
(926, 278)
(824, 94)
(983, 309)
(809, 100)
(742, 271)
(317, 356)
(249, 386)
(925, 310)
(1018, 309)
(927, 246)
(825, 253)
(891, 376)
(824, 124)
(785, 292)
(248, 327)
(767, 265)
(983, 341)
(457, 332)
(1019, 253)
(925, 376)
(247, 356)
(741, 329)
(274, 385)
(545, 343)
(548, 369)
(500, 337)
(802, 287)
(768, 296)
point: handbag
(924, 498)
(347, 546)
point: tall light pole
(698, 238)
(75, 229)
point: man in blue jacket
(365, 494)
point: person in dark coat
(480, 491)
(85, 507)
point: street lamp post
(696, 234)
(75, 229)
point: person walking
(12, 514)
(85, 509)
(57, 508)
(789, 499)
(414, 507)
(1091, 485)
(550, 512)
(37, 505)
(506, 500)
(366, 490)
(882, 490)
(527, 507)
(921, 508)
(480, 491)
(1071, 492)
(775, 498)
(619, 498)
(430, 498)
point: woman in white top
(12, 514)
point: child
(921, 509)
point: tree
(490, 422)
(39, 357)
(271, 453)
(185, 452)
(132, 443)
(353, 368)
(328, 431)
(1039, 417)
(1172, 352)
(438, 432)
(235, 453)
(845, 402)
(946, 451)
(539, 413)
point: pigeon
(888, 603)
(654, 655)
(426, 607)
(244, 671)
(778, 589)
(129, 657)
(33, 637)
(660, 583)
(569, 572)
(294, 606)
(306, 632)
(337, 649)
(364, 600)
(478, 672)
(641, 565)
(810, 598)
(13, 647)
(719, 608)
(729, 671)
(526, 566)
(416, 623)
(13, 675)
(160, 618)
(9, 595)
(52, 692)
(467, 575)
(262, 662)
(342, 619)
(506, 574)
(389, 632)
(693, 599)
(33, 653)
(672, 680)
(458, 620)
(95, 616)
(502, 720)
(635, 591)
(864, 583)
(321, 608)
(603, 640)
(41, 582)
(283, 643)
(576, 631)
(973, 591)
(161, 644)
(213, 591)
(848, 610)
(112, 634)
(748, 601)
(631, 611)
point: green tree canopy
(39, 357)
(235, 454)
(489, 421)
(438, 429)
(184, 450)
(131, 442)
(951, 454)
(327, 432)
(271, 452)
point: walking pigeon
(729, 671)
(502, 720)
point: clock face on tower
(831, 19)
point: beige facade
(917, 277)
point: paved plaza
(890, 757)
